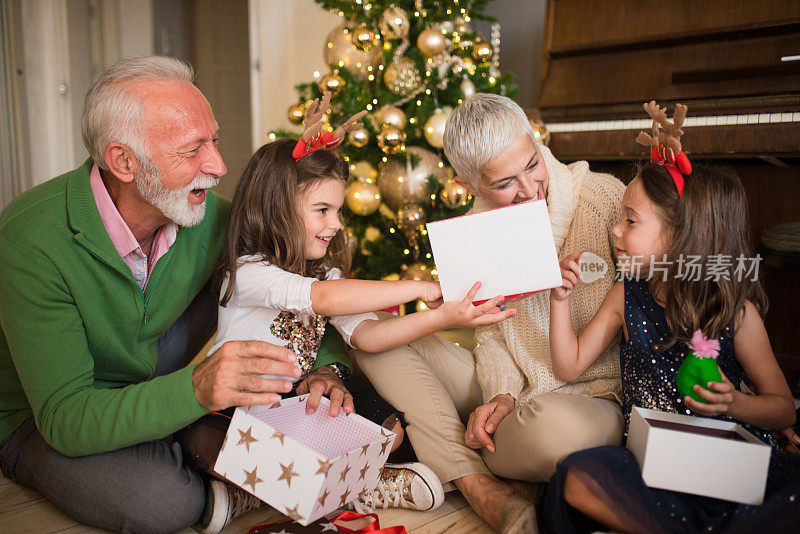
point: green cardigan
(78, 340)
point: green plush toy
(699, 367)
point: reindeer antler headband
(313, 139)
(666, 145)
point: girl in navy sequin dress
(682, 260)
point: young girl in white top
(282, 281)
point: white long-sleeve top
(273, 305)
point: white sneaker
(413, 486)
(223, 503)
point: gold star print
(251, 479)
(384, 434)
(276, 405)
(324, 496)
(324, 465)
(364, 449)
(293, 514)
(363, 472)
(344, 498)
(302, 398)
(224, 442)
(246, 438)
(279, 435)
(288, 473)
(384, 445)
(343, 474)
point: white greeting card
(510, 250)
(303, 465)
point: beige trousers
(434, 383)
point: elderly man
(104, 300)
(506, 398)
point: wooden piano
(734, 63)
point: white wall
(286, 44)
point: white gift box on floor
(510, 250)
(699, 455)
(303, 465)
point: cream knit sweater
(514, 356)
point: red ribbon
(675, 165)
(348, 516)
(320, 141)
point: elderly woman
(505, 400)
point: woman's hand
(464, 314)
(570, 277)
(485, 420)
(324, 381)
(719, 399)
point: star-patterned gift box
(303, 465)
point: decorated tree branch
(408, 63)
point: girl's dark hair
(265, 220)
(711, 219)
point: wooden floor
(23, 510)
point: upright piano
(734, 63)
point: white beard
(174, 204)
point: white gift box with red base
(699, 455)
(303, 465)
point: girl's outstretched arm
(350, 297)
(572, 355)
(772, 405)
(377, 336)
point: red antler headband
(666, 145)
(313, 139)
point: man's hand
(229, 377)
(324, 381)
(485, 420)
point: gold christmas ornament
(410, 219)
(417, 271)
(331, 82)
(401, 182)
(371, 233)
(465, 65)
(391, 139)
(391, 115)
(454, 195)
(431, 42)
(402, 77)
(394, 23)
(467, 87)
(434, 128)
(352, 242)
(540, 132)
(482, 52)
(364, 38)
(391, 277)
(362, 170)
(363, 198)
(296, 113)
(340, 51)
(358, 137)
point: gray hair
(482, 127)
(113, 111)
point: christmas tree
(408, 62)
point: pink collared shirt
(128, 247)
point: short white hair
(482, 127)
(113, 110)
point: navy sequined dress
(649, 380)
